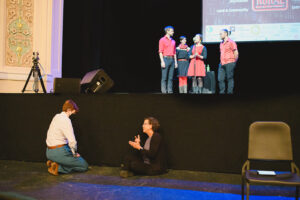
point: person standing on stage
(198, 54)
(168, 61)
(62, 145)
(229, 57)
(182, 53)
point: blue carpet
(114, 192)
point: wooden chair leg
(297, 193)
(248, 190)
(243, 188)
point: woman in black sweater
(148, 159)
(183, 57)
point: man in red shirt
(168, 61)
(229, 57)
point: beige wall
(47, 25)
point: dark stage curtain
(122, 37)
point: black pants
(226, 72)
(135, 163)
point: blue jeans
(66, 162)
(226, 72)
(167, 74)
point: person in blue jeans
(61, 143)
(168, 60)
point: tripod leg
(41, 80)
(30, 73)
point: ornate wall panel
(19, 33)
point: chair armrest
(245, 167)
(295, 169)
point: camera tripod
(36, 73)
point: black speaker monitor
(66, 85)
(96, 81)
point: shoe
(199, 90)
(49, 162)
(180, 89)
(53, 169)
(185, 89)
(126, 173)
(195, 90)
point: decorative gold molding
(19, 29)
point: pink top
(167, 46)
(227, 51)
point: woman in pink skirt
(198, 54)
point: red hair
(70, 104)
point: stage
(202, 132)
(30, 181)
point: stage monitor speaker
(96, 81)
(209, 83)
(66, 85)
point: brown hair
(200, 36)
(154, 122)
(70, 104)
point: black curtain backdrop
(202, 133)
(122, 38)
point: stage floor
(32, 180)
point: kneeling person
(62, 145)
(149, 159)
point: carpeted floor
(25, 180)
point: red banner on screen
(269, 5)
